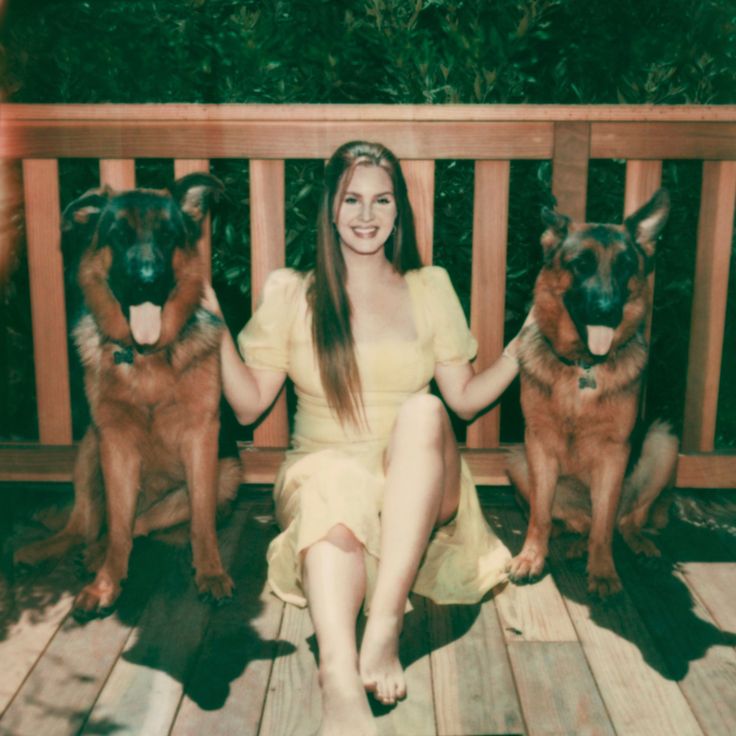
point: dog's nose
(605, 309)
(145, 264)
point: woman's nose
(366, 211)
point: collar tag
(123, 355)
(587, 380)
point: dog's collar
(123, 354)
(587, 378)
(584, 364)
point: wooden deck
(538, 659)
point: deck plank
(699, 656)
(60, 691)
(413, 716)
(226, 692)
(33, 611)
(557, 691)
(474, 689)
(144, 689)
(630, 672)
(529, 612)
(715, 583)
(293, 703)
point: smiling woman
(373, 499)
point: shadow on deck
(533, 659)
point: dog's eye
(583, 265)
(119, 235)
(625, 266)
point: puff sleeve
(264, 341)
(452, 340)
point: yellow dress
(334, 474)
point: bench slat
(53, 464)
(282, 139)
(649, 140)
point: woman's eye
(384, 200)
(350, 199)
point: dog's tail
(653, 472)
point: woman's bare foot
(345, 708)
(380, 668)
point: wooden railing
(491, 136)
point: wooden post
(715, 234)
(570, 168)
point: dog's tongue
(145, 323)
(599, 339)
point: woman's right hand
(209, 300)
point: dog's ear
(556, 231)
(83, 212)
(78, 222)
(195, 193)
(648, 221)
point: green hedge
(383, 51)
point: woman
(373, 498)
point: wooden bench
(491, 136)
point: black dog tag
(587, 380)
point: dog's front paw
(604, 586)
(603, 580)
(526, 567)
(214, 588)
(96, 600)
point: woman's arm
(249, 391)
(467, 392)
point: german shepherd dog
(582, 363)
(149, 459)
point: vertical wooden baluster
(182, 167)
(51, 360)
(267, 230)
(643, 178)
(488, 288)
(419, 176)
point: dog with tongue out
(149, 462)
(585, 465)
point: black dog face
(142, 229)
(603, 271)
(601, 261)
(143, 243)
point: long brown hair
(328, 297)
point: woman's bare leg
(334, 582)
(422, 490)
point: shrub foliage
(391, 51)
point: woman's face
(366, 215)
